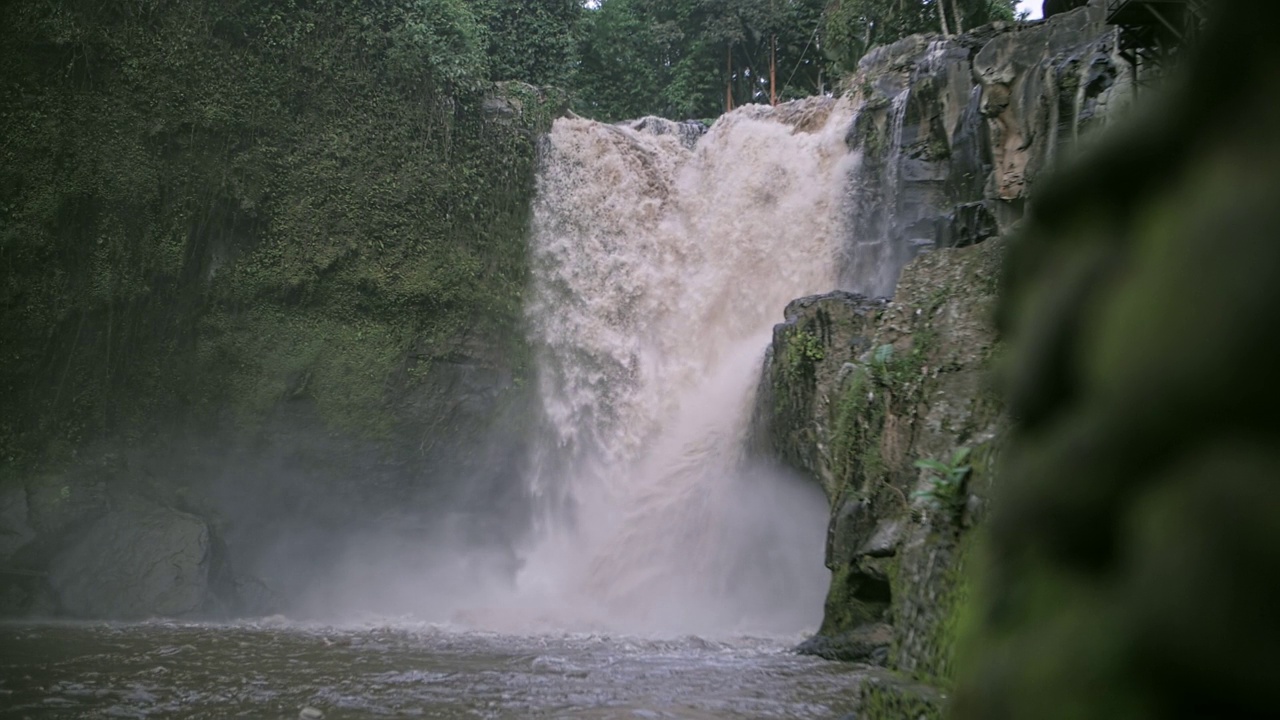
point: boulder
(139, 560)
(15, 531)
(868, 644)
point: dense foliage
(534, 41)
(213, 204)
(697, 58)
(694, 58)
(852, 27)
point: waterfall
(878, 253)
(661, 259)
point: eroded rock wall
(953, 133)
(891, 405)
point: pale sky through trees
(1032, 6)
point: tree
(620, 58)
(697, 58)
(535, 41)
(852, 27)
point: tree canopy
(698, 58)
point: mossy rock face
(905, 433)
(268, 255)
(322, 207)
(805, 366)
(891, 696)
(892, 383)
(1133, 545)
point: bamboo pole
(728, 78)
(773, 72)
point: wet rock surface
(866, 643)
(857, 406)
(138, 560)
(954, 132)
(902, 427)
(790, 424)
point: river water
(276, 670)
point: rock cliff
(269, 282)
(953, 133)
(890, 404)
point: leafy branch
(945, 489)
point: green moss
(843, 611)
(888, 382)
(894, 699)
(943, 622)
(804, 350)
(856, 428)
(267, 356)
(204, 202)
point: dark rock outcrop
(688, 131)
(856, 393)
(792, 425)
(977, 118)
(138, 560)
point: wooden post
(728, 78)
(773, 55)
(955, 14)
(773, 72)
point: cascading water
(878, 254)
(661, 260)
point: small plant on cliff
(803, 352)
(945, 491)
